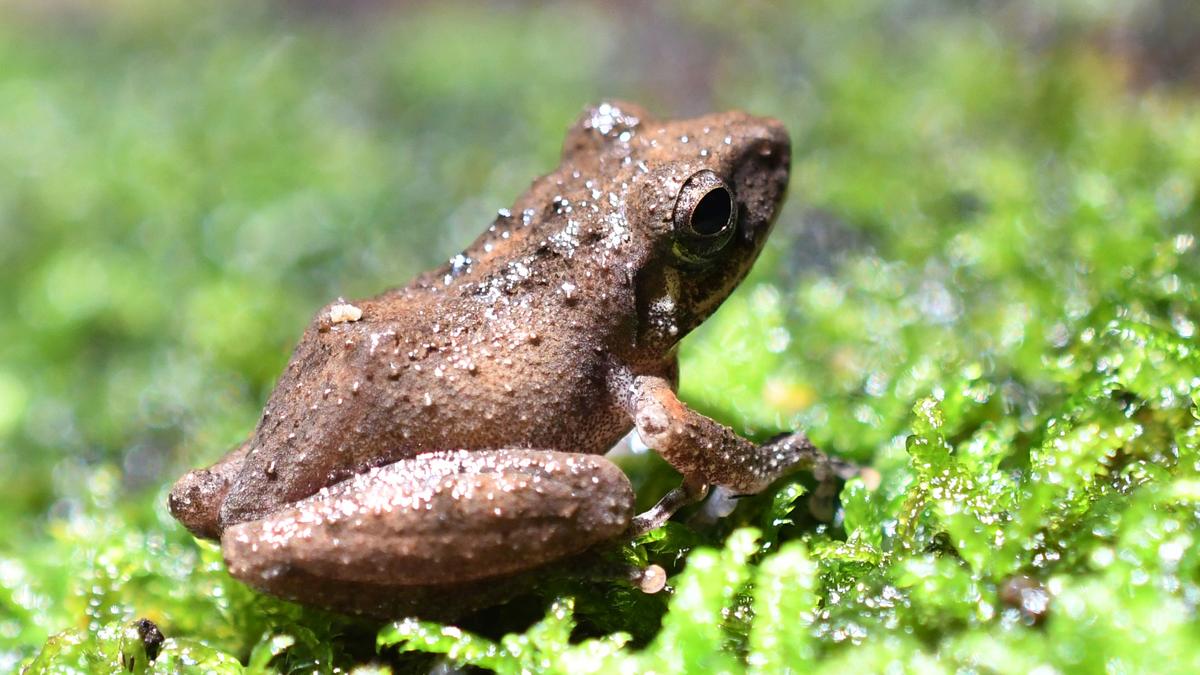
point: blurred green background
(986, 196)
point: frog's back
(421, 369)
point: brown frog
(429, 445)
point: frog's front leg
(409, 536)
(707, 452)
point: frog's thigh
(196, 498)
(440, 518)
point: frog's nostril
(771, 142)
(772, 155)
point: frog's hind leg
(196, 498)
(441, 520)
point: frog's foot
(829, 471)
(688, 492)
(429, 526)
(795, 450)
(196, 498)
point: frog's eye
(705, 216)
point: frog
(427, 449)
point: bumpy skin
(538, 347)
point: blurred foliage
(984, 288)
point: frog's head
(703, 195)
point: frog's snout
(761, 165)
(767, 144)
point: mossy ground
(984, 288)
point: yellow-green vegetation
(984, 288)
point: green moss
(984, 289)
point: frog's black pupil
(712, 213)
